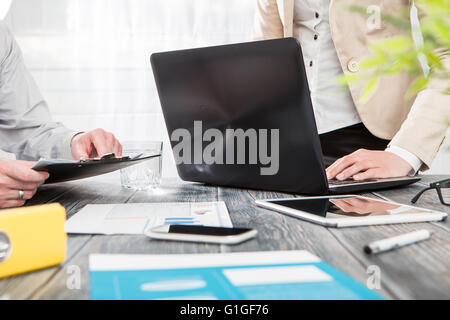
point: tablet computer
(350, 211)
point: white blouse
(332, 102)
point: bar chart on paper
(135, 218)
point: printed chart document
(135, 218)
(265, 275)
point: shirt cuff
(66, 147)
(412, 159)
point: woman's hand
(362, 206)
(17, 176)
(94, 144)
(365, 164)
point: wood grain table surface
(419, 271)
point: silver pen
(397, 242)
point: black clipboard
(66, 170)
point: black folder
(67, 170)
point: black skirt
(341, 142)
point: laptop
(240, 115)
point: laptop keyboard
(336, 182)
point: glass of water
(146, 175)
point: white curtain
(91, 57)
(4, 8)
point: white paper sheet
(105, 262)
(272, 275)
(135, 218)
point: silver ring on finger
(21, 194)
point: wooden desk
(420, 271)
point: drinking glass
(146, 175)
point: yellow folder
(31, 238)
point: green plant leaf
(369, 89)
(417, 85)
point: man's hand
(16, 176)
(365, 164)
(95, 144)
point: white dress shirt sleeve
(26, 126)
(412, 159)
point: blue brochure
(245, 275)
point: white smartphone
(201, 233)
(350, 211)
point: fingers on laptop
(351, 166)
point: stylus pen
(397, 242)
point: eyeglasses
(438, 185)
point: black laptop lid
(255, 99)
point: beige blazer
(417, 124)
